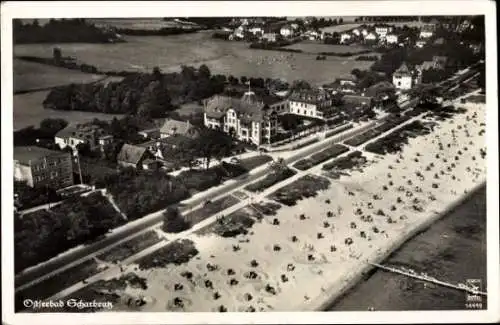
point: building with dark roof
(131, 155)
(250, 118)
(43, 167)
(163, 147)
(173, 127)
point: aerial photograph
(249, 164)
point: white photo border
(110, 9)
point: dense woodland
(76, 30)
(458, 55)
(141, 94)
(43, 234)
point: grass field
(316, 47)
(210, 209)
(130, 247)
(28, 110)
(134, 23)
(169, 53)
(33, 76)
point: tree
(279, 166)
(173, 221)
(57, 55)
(50, 126)
(427, 94)
(204, 72)
(157, 73)
(213, 144)
(300, 84)
(188, 73)
(155, 101)
(356, 73)
(232, 80)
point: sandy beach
(306, 255)
(440, 251)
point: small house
(347, 80)
(256, 30)
(345, 37)
(175, 127)
(73, 135)
(270, 37)
(391, 39)
(287, 31)
(153, 133)
(420, 43)
(427, 31)
(131, 156)
(371, 37)
(151, 164)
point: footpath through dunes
(322, 237)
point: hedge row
(270, 180)
(319, 157)
(345, 162)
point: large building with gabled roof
(404, 78)
(250, 118)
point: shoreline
(325, 303)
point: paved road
(155, 218)
(152, 219)
(114, 270)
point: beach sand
(314, 284)
(453, 250)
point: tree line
(43, 234)
(143, 94)
(76, 30)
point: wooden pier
(430, 279)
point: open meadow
(318, 47)
(30, 76)
(28, 110)
(326, 224)
(134, 23)
(142, 53)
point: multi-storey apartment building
(315, 103)
(43, 167)
(249, 118)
